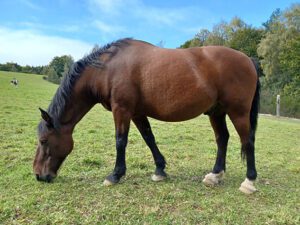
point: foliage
(53, 76)
(14, 67)
(289, 103)
(280, 53)
(60, 63)
(246, 40)
(58, 67)
(77, 195)
(279, 49)
(235, 34)
(272, 21)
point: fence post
(278, 105)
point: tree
(280, 54)
(290, 63)
(221, 34)
(27, 69)
(202, 36)
(58, 67)
(191, 43)
(53, 76)
(236, 24)
(273, 20)
(186, 44)
(279, 49)
(218, 36)
(59, 62)
(246, 40)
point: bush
(290, 106)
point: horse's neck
(75, 110)
(85, 97)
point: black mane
(65, 89)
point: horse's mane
(65, 89)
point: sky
(32, 32)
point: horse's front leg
(144, 127)
(122, 122)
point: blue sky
(34, 31)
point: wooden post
(278, 105)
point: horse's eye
(43, 142)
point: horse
(135, 80)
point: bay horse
(135, 80)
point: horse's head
(54, 145)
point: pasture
(77, 195)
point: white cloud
(30, 4)
(108, 6)
(116, 9)
(159, 16)
(38, 26)
(28, 47)
(106, 28)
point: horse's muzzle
(48, 178)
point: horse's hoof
(247, 187)
(157, 178)
(108, 183)
(213, 179)
(110, 180)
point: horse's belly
(176, 116)
(179, 107)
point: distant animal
(135, 80)
(15, 82)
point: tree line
(14, 67)
(275, 45)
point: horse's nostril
(48, 178)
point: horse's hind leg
(144, 127)
(218, 122)
(241, 123)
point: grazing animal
(15, 82)
(135, 80)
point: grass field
(77, 195)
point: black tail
(255, 102)
(253, 113)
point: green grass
(78, 197)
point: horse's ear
(47, 118)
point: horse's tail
(254, 111)
(255, 101)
